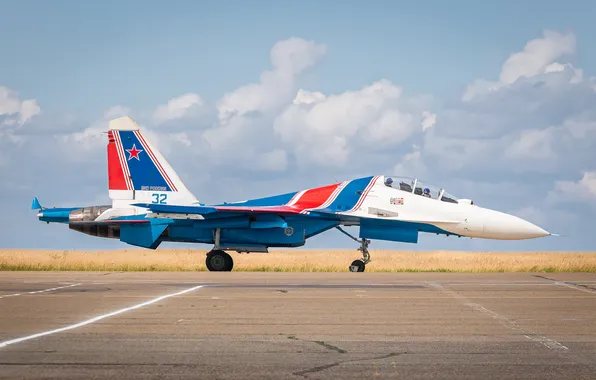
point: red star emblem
(134, 152)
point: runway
(67, 325)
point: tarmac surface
(67, 325)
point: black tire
(357, 266)
(219, 261)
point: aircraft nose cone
(522, 229)
(510, 227)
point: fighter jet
(151, 205)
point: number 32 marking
(159, 198)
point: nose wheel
(360, 264)
(357, 266)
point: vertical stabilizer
(137, 172)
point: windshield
(416, 186)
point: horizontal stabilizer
(35, 205)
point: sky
(493, 101)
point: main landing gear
(358, 265)
(219, 261)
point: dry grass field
(298, 260)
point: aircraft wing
(213, 210)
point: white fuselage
(462, 218)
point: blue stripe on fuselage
(401, 224)
(350, 195)
(144, 173)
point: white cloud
(538, 118)
(273, 161)
(538, 57)
(580, 191)
(308, 97)
(29, 108)
(456, 153)
(532, 214)
(580, 128)
(9, 101)
(325, 129)
(94, 136)
(179, 107)
(182, 138)
(243, 130)
(479, 87)
(428, 120)
(289, 58)
(116, 112)
(294, 55)
(297, 126)
(14, 112)
(411, 165)
(532, 143)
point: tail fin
(137, 172)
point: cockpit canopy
(414, 185)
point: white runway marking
(49, 290)
(511, 324)
(10, 295)
(95, 319)
(40, 291)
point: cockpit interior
(414, 185)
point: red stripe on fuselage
(315, 197)
(116, 180)
(334, 195)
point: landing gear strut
(219, 261)
(358, 265)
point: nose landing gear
(360, 264)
